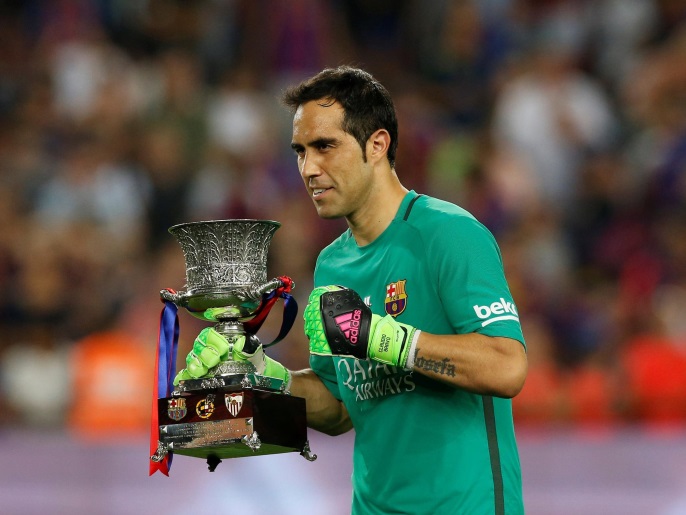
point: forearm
(325, 413)
(474, 362)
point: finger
(321, 290)
(239, 345)
(313, 322)
(247, 345)
(195, 367)
(183, 375)
(216, 341)
(246, 348)
(209, 347)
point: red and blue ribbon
(165, 369)
(290, 310)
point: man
(424, 367)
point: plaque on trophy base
(232, 422)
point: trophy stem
(231, 329)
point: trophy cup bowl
(226, 264)
(231, 412)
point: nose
(308, 167)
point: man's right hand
(210, 348)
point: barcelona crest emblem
(234, 402)
(176, 408)
(396, 298)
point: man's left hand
(341, 324)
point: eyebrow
(314, 143)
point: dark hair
(367, 105)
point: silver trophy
(226, 283)
(226, 278)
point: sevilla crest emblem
(234, 402)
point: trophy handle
(268, 287)
(171, 296)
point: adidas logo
(349, 324)
(502, 310)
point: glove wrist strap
(412, 352)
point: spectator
(552, 115)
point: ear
(377, 145)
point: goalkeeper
(415, 340)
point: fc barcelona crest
(396, 298)
(176, 408)
(234, 402)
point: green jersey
(422, 446)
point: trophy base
(231, 422)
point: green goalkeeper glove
(337, 322)
(210, 348)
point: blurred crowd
(560, 124)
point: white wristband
(409, 365)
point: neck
(368, 222)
